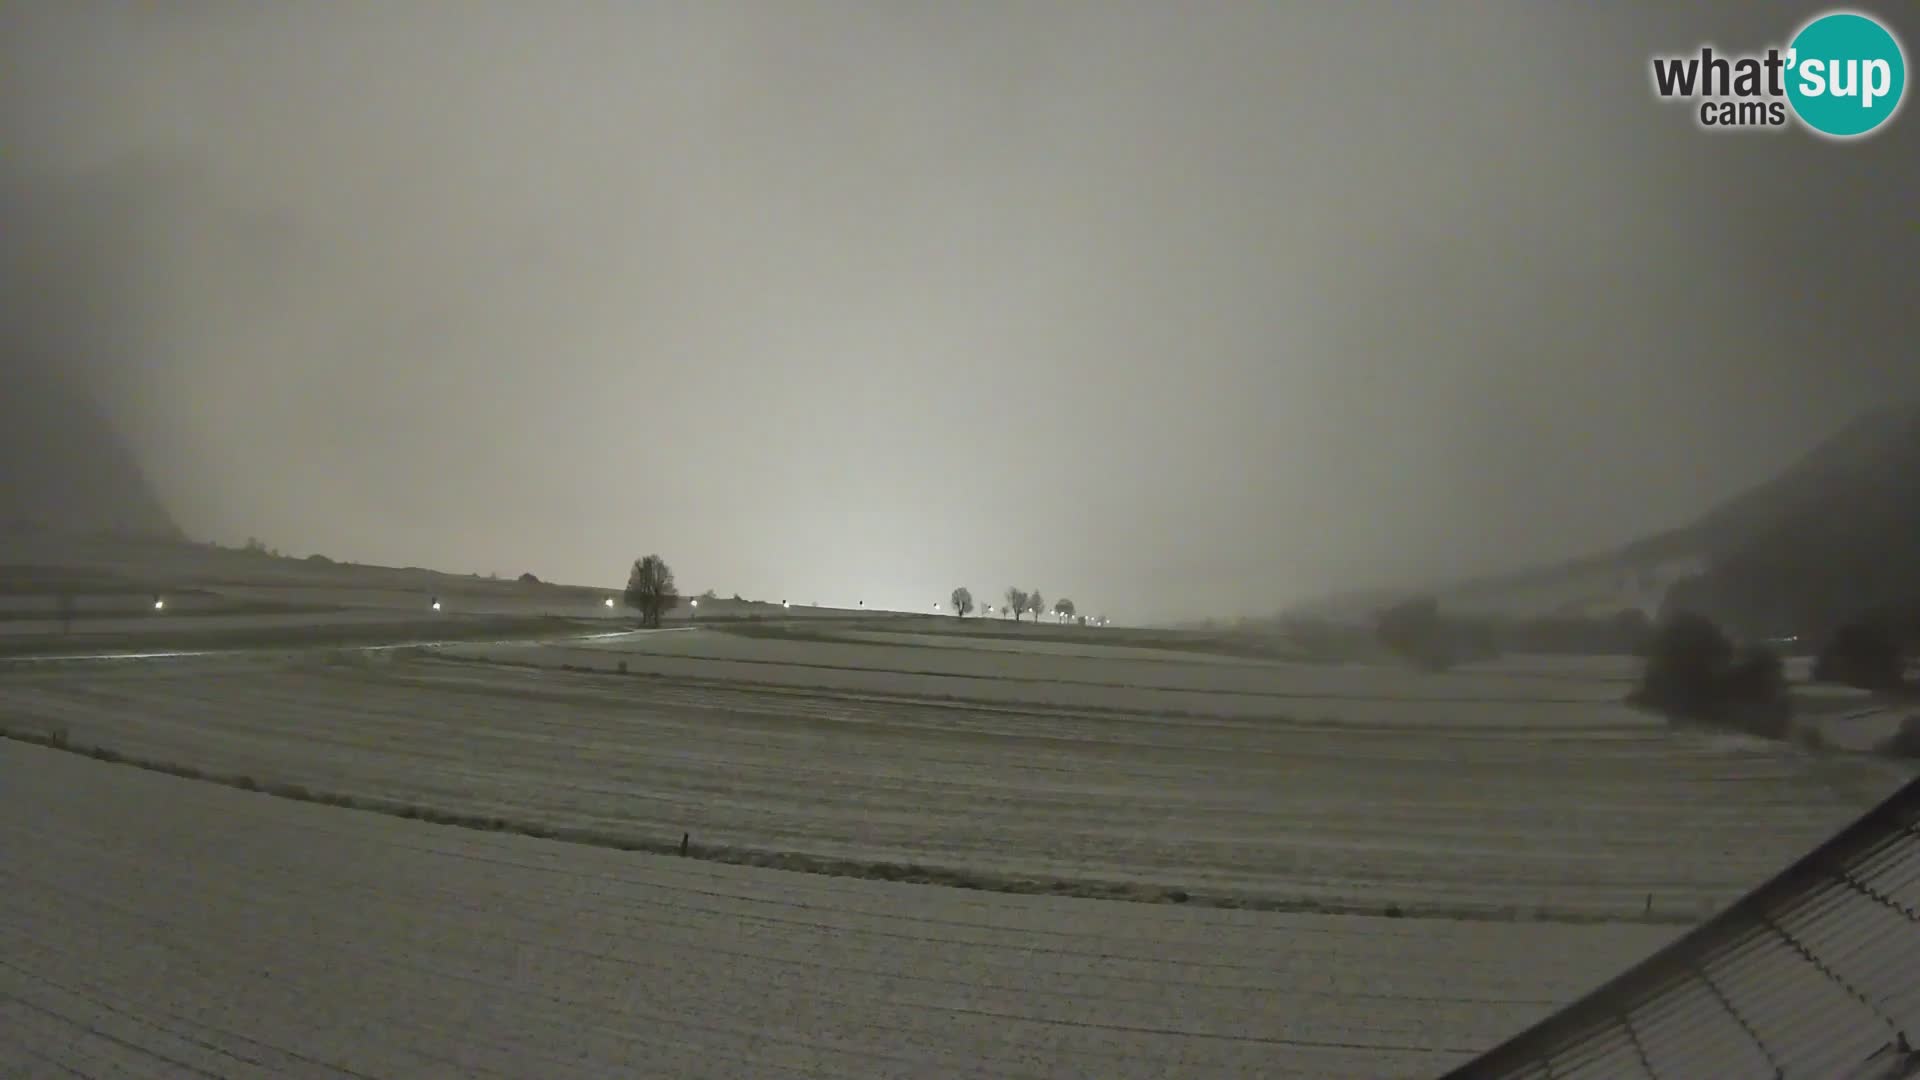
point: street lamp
(158, 604)
(436, 603)
(608, 601)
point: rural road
(171, 654)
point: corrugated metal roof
(1814, 974)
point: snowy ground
(155, 926)
(1514, 812)
(1114, 679)
(1496, 796)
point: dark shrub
(1686, 659)
(1412, 629)
(528, 579)
(1753, 695)
(1693, 671)
(1865, 653)
(1756, 677)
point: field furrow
(1342, 806)
(156, 926)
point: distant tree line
(1416, 630)
(1695, 671)
(1870, 653)
(1019, 602)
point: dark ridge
(64, 468)
(1833, 538)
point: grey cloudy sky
(1170, 308)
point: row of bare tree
(1019, 602)
(651, 592)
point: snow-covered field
(1516, 815)
(156, 926)
(954, 635)
(1506, 795)
(1114, 679)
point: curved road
(166, 654)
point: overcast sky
(1171, 308)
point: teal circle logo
(1847, 74)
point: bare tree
(1016, 602)
(1036, 604)
(650, 589)
(1063, 608)
(962, 601)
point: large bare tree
(1016, 602)
(650, 589)
(963, 601)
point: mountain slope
(62, 466)
(1835, 535)
(1868, 464)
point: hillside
(63, 468)
(1834, 535)
(1872, 462)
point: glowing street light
(608, 601)
(159, 604)
(436, 603)
(696, 603)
